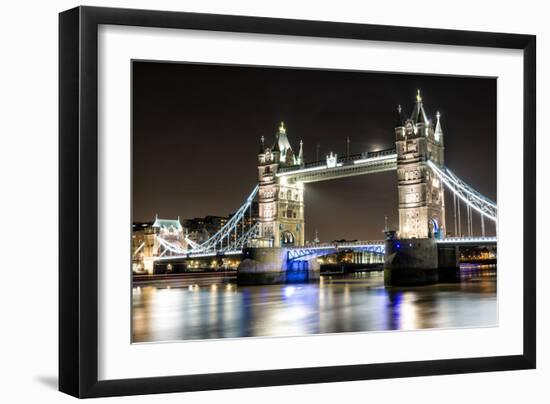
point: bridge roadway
(332, 168)
(306, 252)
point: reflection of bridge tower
(281, 201)
(420, 193)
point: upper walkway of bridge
(338, 167)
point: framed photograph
(252, 202)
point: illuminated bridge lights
(303, 253)
(199, 255)
(468, 240)
(389, 157)
(139, 249)
(467, 194)
(230, 228)
(357, 164)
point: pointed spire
(401, 118)
(301, 153)
(262, 145)
(438, 131)
(282, 145)
(276, 147)
(282, 128)
(419, 115)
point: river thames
(198, 307)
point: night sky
(196, 131)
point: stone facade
(280, 201)
(420, 193)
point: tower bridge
(419, 246)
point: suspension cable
(470, 196)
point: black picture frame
(78, 206)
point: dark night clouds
(197, 129)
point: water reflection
(218, 308)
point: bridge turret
(276, 150)
(401, 118)
(400, 124)
(261, 152)
(438, 133)
(300, 159)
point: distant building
(201, 229)
(170, 230)
(146, 246)
(249, 219)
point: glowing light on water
(289, 291)
(408, 317)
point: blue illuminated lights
(305, 253)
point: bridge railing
(467, 240)
(300, 253)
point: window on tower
(411, 147)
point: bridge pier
(264, 266)
(410, 262)
(448, 263)
(414, 262)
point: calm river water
(198, 308)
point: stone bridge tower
(281, 201)
(420, 193)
